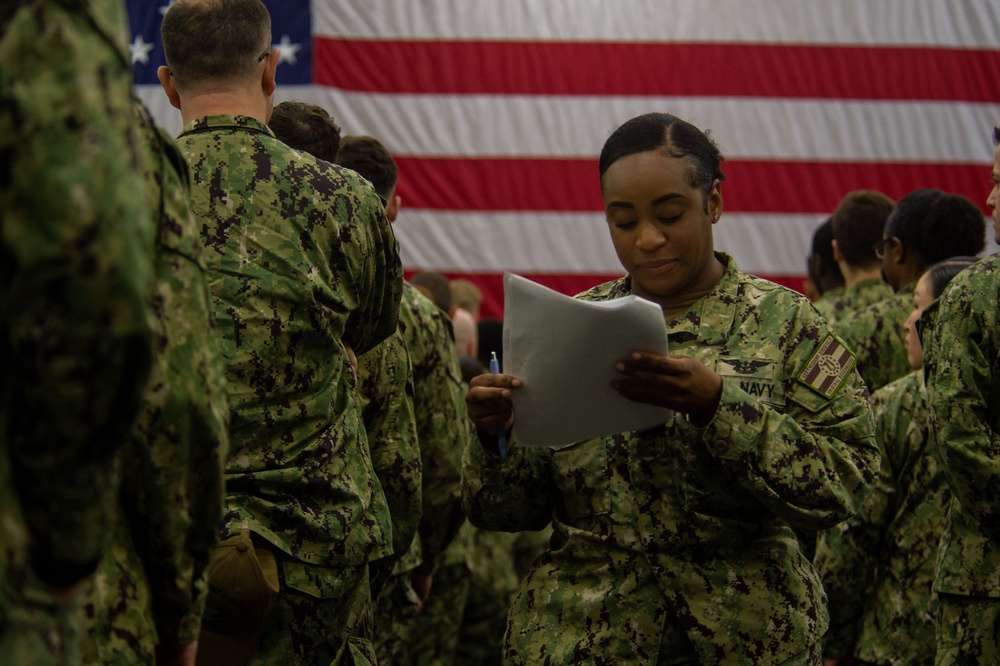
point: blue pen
(502, 432)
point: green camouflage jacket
(679, 538)
(875, 334)
(878, 567)
(152, 580)
(962, 368)
(300, 260)
(443, 429)
(851, 299)
(76, 246)
(385, 380)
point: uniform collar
(710, 318)
(215, 123)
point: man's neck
(853, 275)
(229, 103)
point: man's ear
(392, 208)
(837, 256)
(167, 82)
(268, 79)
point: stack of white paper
(565, 351)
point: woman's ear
(714, 201)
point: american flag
(496, 112)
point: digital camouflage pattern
(301, 260)
(323, 615)
(151, 584)
(464, 618)
(442, 432)
(967, 630)
(962, 366)
(878, 567)
(827, 301)
(76, 240)
(493, 581)
(385, 381)
(676, 543)
(443, 428)
(875, 334)
(849, 300)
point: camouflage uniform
(875, 334)
(827, 302)
(673, 545)
(151, 584)
(300, 261)
(493, 582)
(836, 306)
(442, 432)
(385, 381)
(76, 240)
(878, 567)
(962, 365)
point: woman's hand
(681, 383)
(488, 401)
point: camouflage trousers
(395, 616)
(323, 615)
(436, 631)
(968, 630)
(480, 639)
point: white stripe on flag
(944, 23)
(745, 128)
(464, 241)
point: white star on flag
(140, 50)
(164, 8)
(287, 50)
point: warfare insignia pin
(828, 367)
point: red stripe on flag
(491, 284)
(750, 186)
(698, 69)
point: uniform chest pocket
(759, 377)
(583, 477)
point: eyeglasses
(264, 55)
(879, 247)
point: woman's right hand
(488, 401)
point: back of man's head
(436, 287)
(369, 158)
(306, 127)
(858, 224)
(215, 42)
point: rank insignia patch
(828, 367)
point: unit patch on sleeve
(828, 367)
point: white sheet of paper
(565, 350)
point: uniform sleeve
(442, 425)
(962, 395)
(378, 277)
(812, 463)
(386, 386)
(509, 495)
(77, 240)
(172, 481)
(847, 554)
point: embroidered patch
(754, 375)
(828, 367)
